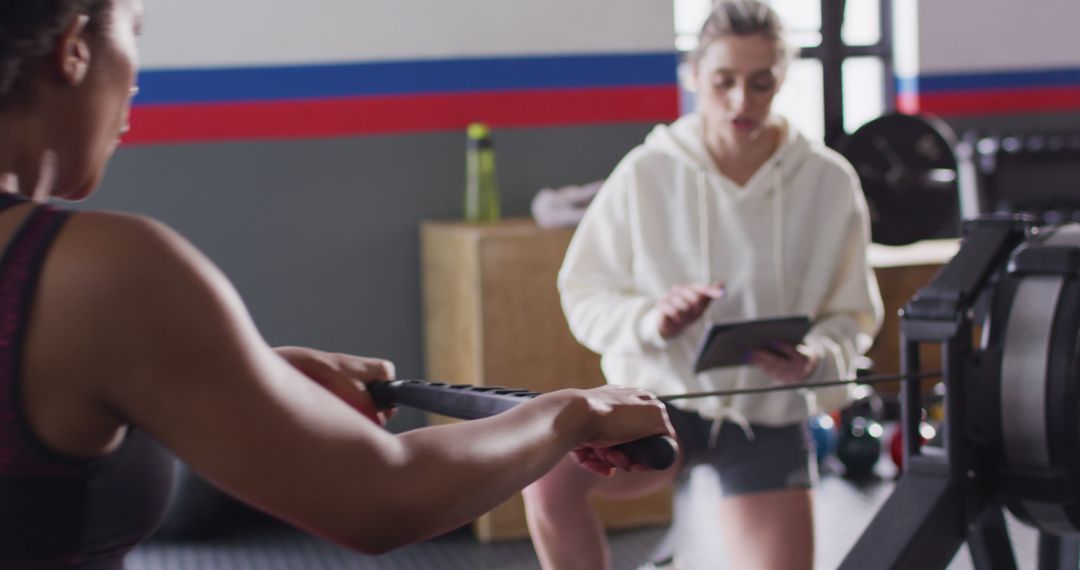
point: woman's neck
(738, 161)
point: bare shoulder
(123, 242)
(141, 284)
(128, 260)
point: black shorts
(765, 459)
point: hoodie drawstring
(703, 226)
(734, 416)
(778, 234)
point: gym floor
(842, 509)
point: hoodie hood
(684, 140)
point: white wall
(991, 35)
(213, 33)
(935, 37)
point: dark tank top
(59, 511)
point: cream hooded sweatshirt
(791, 241)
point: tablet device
(728, 343)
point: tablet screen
(729, 343)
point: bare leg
(566, 532)
(769, 531)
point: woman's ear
(73, 51)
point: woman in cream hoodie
(727, 214)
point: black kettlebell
(859, 446)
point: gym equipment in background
(865, 403)
(1035, 173)
(927, 432)
(1011, 437)
(908, 171)
(824, 432)
(859, 446)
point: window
(862, 22)
(844, 74)
(801, 99)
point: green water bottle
(481, 189)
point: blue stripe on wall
(991, 80)
(404, 77)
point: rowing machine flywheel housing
(1033, 326)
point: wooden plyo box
(492, 318)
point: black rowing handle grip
(468, 402)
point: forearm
(431, 480)
(377, 492)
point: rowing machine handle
(469, 402)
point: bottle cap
(478, 131)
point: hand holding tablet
(729, 343)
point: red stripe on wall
(995, 102)
(398, 114)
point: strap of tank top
(20, 267)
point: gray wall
(321, 236)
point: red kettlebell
(896, 445)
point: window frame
(833, 51)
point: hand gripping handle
(656, 451)
(471, 402)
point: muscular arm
(163, 342)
